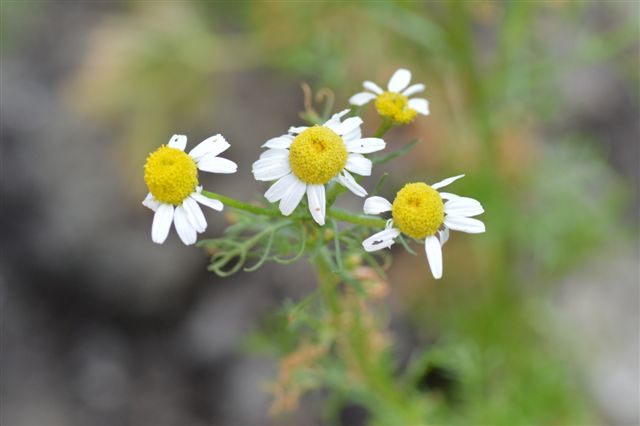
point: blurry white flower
(395, 103)
(307, 158)
(172, 178)
(419, 212)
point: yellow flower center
(317, 155)
(171, 175)
(418, 210)
(395, 107)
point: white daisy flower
(307, 158)
(419, 212)
(394, 103)
(172, 178)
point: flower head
(418, 211)
(172, 178)
(308, 158)
(394, 104)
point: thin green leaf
(336, 242)
(299, 253)
(406, 245)
(371, 261)
(383, 178)
(265, 254)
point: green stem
(327, 281)
(231, 202)
(333, 213)
(352, 345)
(356, 219)
(384, 128)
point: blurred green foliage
(493, 71)
(492, 74)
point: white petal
(209, 147)
(275, 152)
(358, 163)
(296, 130)
(459, 201)
(413, 89)
(443, 235)
(338, 115)
(334, 121)
(217, 165)
(271, 168)
(280, 188)
(161, 223)
(350, 183)
(434, 256)
(333, 125)
(464, 224)
(447, 181)
(463, 206)
(365, 145)
(419, 104)
(376, 205)
(317, 202)
(209, 202)
(352, 135)
(348, 125)
(447, 195)
(151, 202)
(178, 142)
(185, 230)
(399, 80)
(383, 239)
(370, 85)
(195, 214)
(283, 141)
(292, 197)
(361, 98)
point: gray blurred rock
(600, 306)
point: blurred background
(534, 322)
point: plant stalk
(332, 213)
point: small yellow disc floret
(395, 107)
(418, 210)
(317, 155)
(171, 175)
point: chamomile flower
(419, 212)
(308, 158)
(172, 178)
(394, 103)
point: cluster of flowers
(304, 161)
